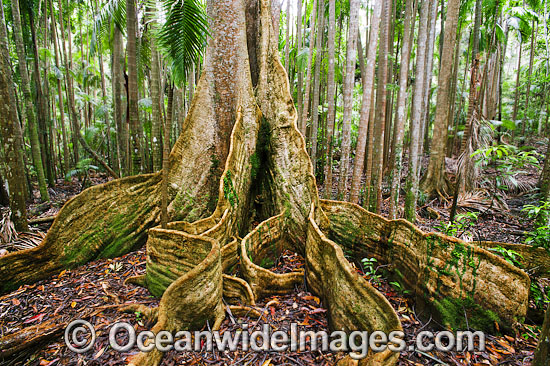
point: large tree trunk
(10, 132)
(267, 171)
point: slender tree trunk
(375, 191)
(156, 99)
(10, 132)
(331, 91)
(299, 99)
(542, 352)
(66, 158)
(316, 85)
(276, 15)
(305, 110)
(529, 75)
(428, 81)
(411, 188)
(368, 86)
(117, 72)
(131, 50)
(349, 82)
(27, 96)
(287, 38)
(472, 100)
(40, 95)
(516, 96)
(166, 157)
(435, 177)
(397, 153)
(68, 55)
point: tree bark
(368, 87)
(317, 85)
(529, 75)
(375, 191)
(305, 110)
(434, 180)
(397, 153)
(542, 352)
(349, 83)
(131, 51)
(411, 187)
(27, 96)
(331, 91)
(299, 87)
(10, 132)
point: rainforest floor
(97, 291)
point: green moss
(267, 262)
(229, 191)
(459, 314)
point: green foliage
(508, 161)
(399, 288)
(539, 294)
(460, 226)
(510, 256)
(229, 190)
(182, 38)
(370, 270)
(114, 11)
(82, 168)
(540, 236)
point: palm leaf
(114, 11)
(182, 38)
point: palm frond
(480, 137)
(182, 38)
(481, 200)
(114, 11)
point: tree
(397, 153)
(349, 82)
(542, 352)
(267, 171)
(434, 180)
(131, 51)
(10, 132)
(317, 85)
(375, 191)
(331, 91)
(29, 110)
(305, 110)
(411, 187)
(368, 87)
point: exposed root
(147, 312)
(238, 291)
(245, 311)
(137, 280)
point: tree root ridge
(104, 221)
